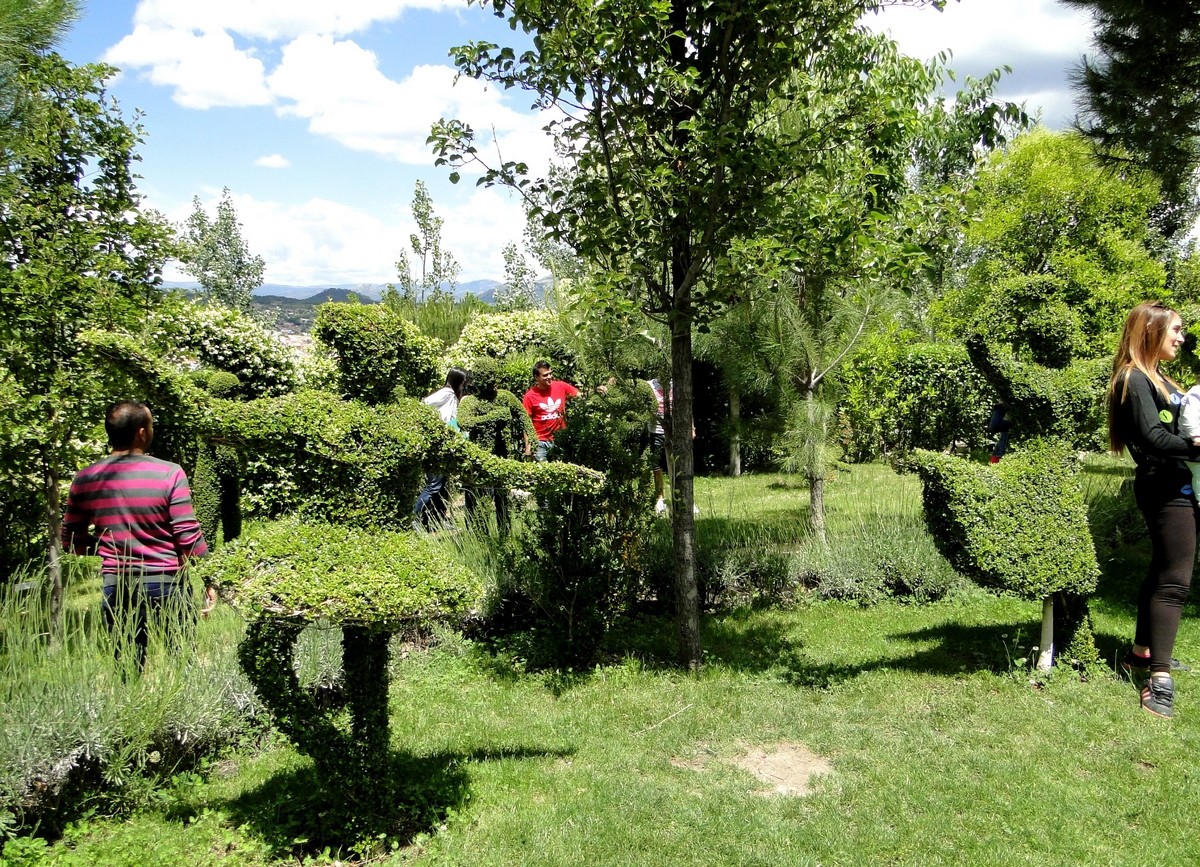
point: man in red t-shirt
(546, 404)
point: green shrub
(221, 383)
(347, 462)
(529, 334)
(1018, 526)
(898, 395)
(379, 353)
(582, 564)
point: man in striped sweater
(135, 511)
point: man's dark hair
(540, 366)
(123, 420)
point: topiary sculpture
(344, 555)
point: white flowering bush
(225, 339)
(516, 332)
(317, 369)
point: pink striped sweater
(140, 512)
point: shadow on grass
(294, 814)
(960, 649)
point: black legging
(1173, 526)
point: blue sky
(315, 114)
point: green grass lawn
(941, 748)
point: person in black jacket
(1143, 418)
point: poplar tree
(217, 255)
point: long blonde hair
(1141, 341)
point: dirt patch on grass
(787, 769)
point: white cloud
(323, 242)
(206, 69)
(334, 84)
(477, 231)
(276, 20)
(338, 88)
(1040, 39)
(273, 161)
(987, 27)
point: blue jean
(432, 502)
(542, 453)
(128, 605)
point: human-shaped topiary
(494, 419)
(216, 479)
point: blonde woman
(1143, 419)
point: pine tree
(1141, 94)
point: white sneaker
(660, 506)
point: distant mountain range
(366, 292)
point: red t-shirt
(548, 409)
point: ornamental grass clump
(77, 726)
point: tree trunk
(54, 548)
(364, 663)
(1074, 635)
(735, 437)
(815, 464)
(683, 523)
(1046, 648)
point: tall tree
(1056, 252)
(1141, 95)
(216, 254)
(27, 27)
(517, 293)
(671, 159)
(437, 269)
(76, 252)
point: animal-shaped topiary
(344, 554)
(1019, 526)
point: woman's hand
(210, 601)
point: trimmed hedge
(293, 569)
(1018, 526)
(379, 353)
(1061, 403)
(284, 574)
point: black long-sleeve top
(1148, 424)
